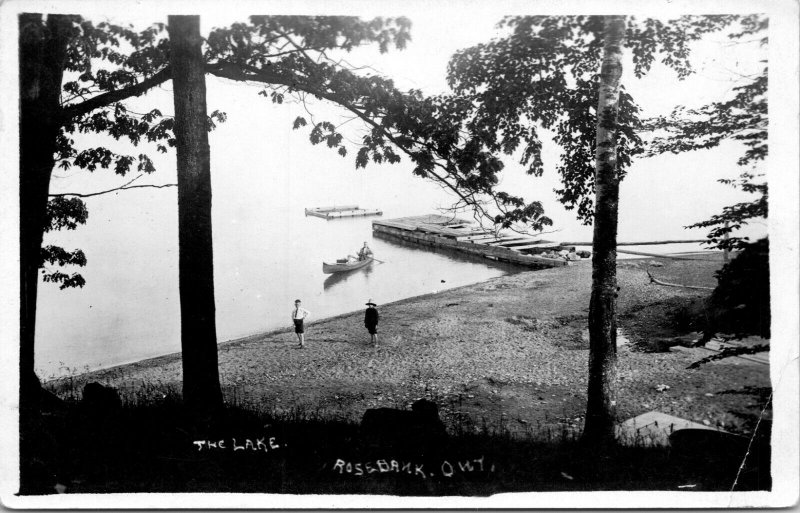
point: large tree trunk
(600, 408)
(42, 53)
(201, 390)
(42, 56)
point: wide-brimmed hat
(370, 303)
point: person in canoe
(371, 322)
(364, 252)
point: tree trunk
(201, 389)
(600, 408)
(42, 54)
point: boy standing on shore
(298, 316)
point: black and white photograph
(399, 254)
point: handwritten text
(420, 470)
(264, 444)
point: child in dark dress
(371, 321)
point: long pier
(462, 235)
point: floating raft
(462, 235)
(343, 211)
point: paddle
(373, 258)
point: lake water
(129, 309)
(267, 253)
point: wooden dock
(342, 211)
(463, 235)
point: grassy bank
(153, 447)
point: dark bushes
(740, 303)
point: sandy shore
(508, 352)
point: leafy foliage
(743, 118)
(65, 213)
(54, 254)
(735, 216)
(61, 257)
(649, 38)
(428, 130)
(65, 280)
(741, 301)
(105, 63)
(544, 75)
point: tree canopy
(544, 75)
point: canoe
(339, 267)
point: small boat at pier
(344, 265)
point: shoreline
(276, 331)
(510, 352)
(265, 334)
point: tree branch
(125, 187)
(236, 72)
(112, 190)
(110, 97)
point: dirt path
(507, 353)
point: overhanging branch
(110, 97)
(250, 74)
(125, 187)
